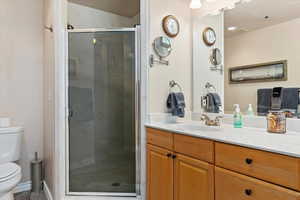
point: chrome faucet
(210, 122)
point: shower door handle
(71, 113)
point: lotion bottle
(237, 117)
(250, 110)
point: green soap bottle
(237, 117)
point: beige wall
(21, 72)
(181, 58)
(49, 96)
(81, 16)
(119, 7)
(279, 42)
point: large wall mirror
(262, 62)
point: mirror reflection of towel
(176, 104)
(214, 103)
(264, 97)
(290, 99)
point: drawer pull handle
(248, 192)
(249, 161)
(174, 156)
(169, 155)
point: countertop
(256, 138)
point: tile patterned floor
(29, 196)
(113, 174)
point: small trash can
(36, 174)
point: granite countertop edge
(284, 144)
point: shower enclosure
(103, 147)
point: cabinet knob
(169, 155)
(249, 161)
(248, 192)
(174, 156)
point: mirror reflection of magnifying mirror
(216, 57)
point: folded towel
(290, 99)
(176, 104)
(263, 101)
(214, 103)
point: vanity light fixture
(232, 28)
(195, 4)
(214, 7)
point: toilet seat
(9, 171)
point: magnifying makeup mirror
(162, 46)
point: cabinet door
(160, 172)
(194, 179)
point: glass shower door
(102, 119)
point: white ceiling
(127, 8)
(251, 16)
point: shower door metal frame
(137, 32)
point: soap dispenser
(237, 117)
(250, 110)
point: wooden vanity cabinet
(181, 167)
(160, 170)
(200, 149)
(193, 179)
(234, 186)
(271, 167)
(160, 138)
(174, 176)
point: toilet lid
(7, 170)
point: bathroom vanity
(199, 163)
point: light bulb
(195, 4)
(232, 28)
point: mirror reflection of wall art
(272, 71)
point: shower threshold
(82, 197)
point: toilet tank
(10, 144)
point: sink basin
(197, 127)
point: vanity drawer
(274, 168)
(194, 147)
(160, 138)
(233, 186)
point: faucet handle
(204, 117)
(219, 117)
(218, 120)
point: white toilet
(10, 173)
